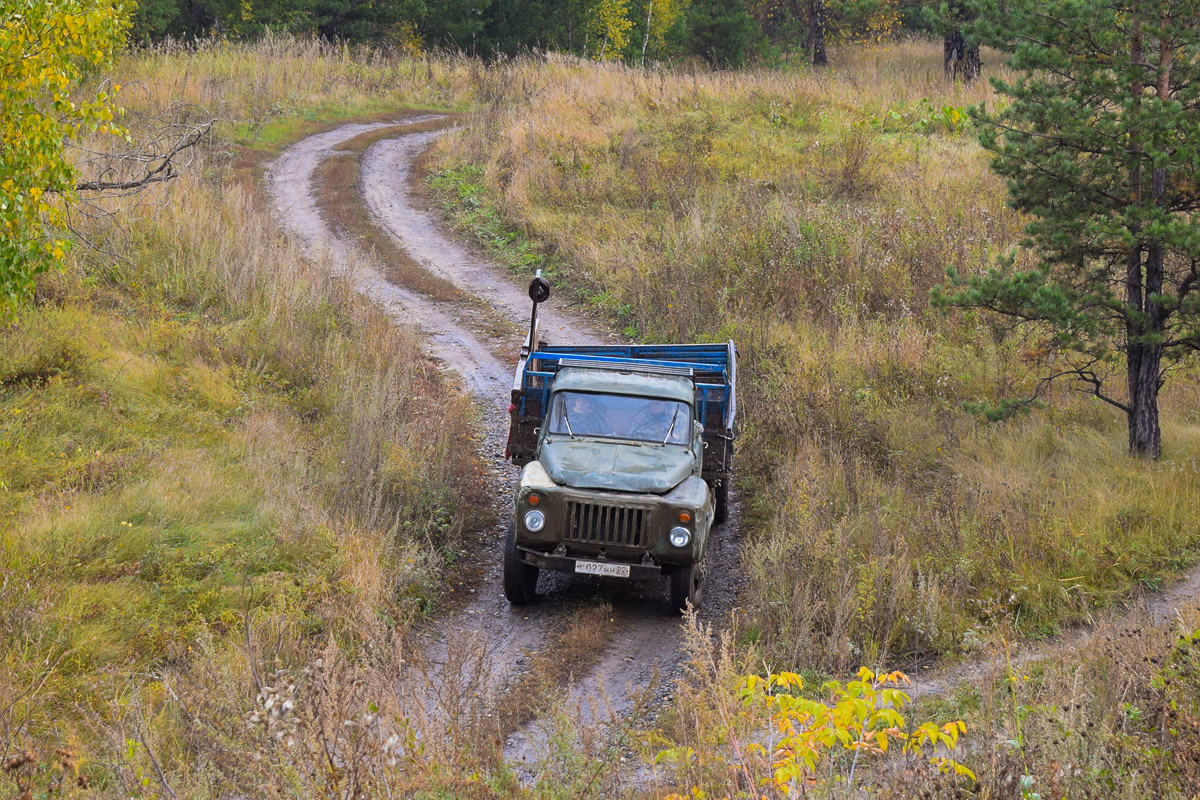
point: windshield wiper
(671, 429)
(567, 422)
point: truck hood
(588, 464)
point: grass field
(214, 458)
(227, 483)
(807, 215)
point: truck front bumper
(637, 572)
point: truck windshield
(618, 416)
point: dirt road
(645, 637)
(1176, 604)
(483, 642)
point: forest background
(722, 33)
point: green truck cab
(626, 454)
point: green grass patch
(204, 435)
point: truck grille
(610, 525)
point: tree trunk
(1144, 326)
(816, 34)
(1144, 319)
(972, 65)
(1145, 436)
(952, 52)
(1144, 365)
(959, 57)
(646, 38)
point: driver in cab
(584, 416)
(660, 421)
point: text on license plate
(597, 568)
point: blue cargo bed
(711, 367)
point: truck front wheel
(686, 586)
(520, 579)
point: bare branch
(162, 165)
(1090, 378)
(247, 602)
(162, 778)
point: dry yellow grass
(179, 526)
(806, 214)
(217, 461)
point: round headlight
(535, 521)
(680, 537)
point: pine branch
(1082, 374)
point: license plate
(598, 568)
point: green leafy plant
(923, 117)
(45, 49)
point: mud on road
(637, 653)
(633, 643)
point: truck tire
(721, 501)
(520, 579)
(687, 585)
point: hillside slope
(807, 215)
(229, 486)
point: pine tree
(453, 23)
(154, 20)
(722, 31)
(1100, 143)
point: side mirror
(539, 292)
(539, 289)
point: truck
(626, 455)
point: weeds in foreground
(750, 735)
(30, 778)
(1117, 716)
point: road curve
(290, 181)
(386, 173)
(647, 639)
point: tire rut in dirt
(498, 634)
(386, 175)
(649, 638)
(485, 641)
